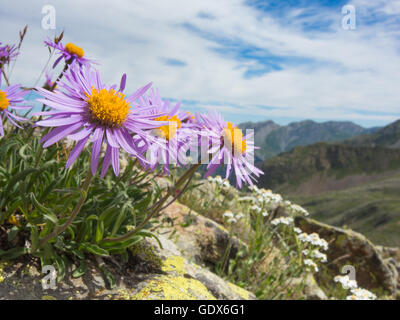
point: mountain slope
(274, 139)
(372, 209)
(388, 136)
(325, 167)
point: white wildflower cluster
(316, 254)
(295, 209)
(219, 181)
(233, 218)
(361, 294)
(266, 198)
(311, 263)
(314, 239)
(346, 282)
(283, 220)
(356, 292)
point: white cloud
(357, 70)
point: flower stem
(78, 206)
(5, 76)
(158, 206)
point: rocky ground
(191, 246)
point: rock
(203, 240)
(347, 247)
(151, 273)
(311, 290)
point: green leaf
(99, 231)
(61, 266)
(13, 233)
(13, 253)
(95, 249)
(109, 277)
(80, 271)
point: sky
(250, 60)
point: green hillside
(372, 209)
(325, 167)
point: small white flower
(361, 294)
(265, 214)
(228, 214)
(297, 230)
(255, 209)
(282, 220)
(232, 220)
(310, 263)
(346, 282)
(319, 255)
(239, 216)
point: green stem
(5, 76)
(78, 206)
(156, 208)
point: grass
(372, 209)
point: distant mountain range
(274, 139)
(354, 182)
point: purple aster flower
(228, 146)
(10, 98)
(85, 108)
(172, 138)
(7, 54)
(49, 83)
(70, 52)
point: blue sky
(250, 60)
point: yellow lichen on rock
(174, 263)
(174, 288)
(1, 274)
(239, 291)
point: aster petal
(123, 83)
(59, 122)
(76, 151)
(1, 125)
(115, 160)
(139, 92)
(58, 133)
(94, 161)
(112, 141)
(106, 162)
(81, 134)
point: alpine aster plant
(84, 108)
(230, 147)
(172, 140)
(10, 98)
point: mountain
(388, 136)
(353, 183)
(274, 139)
(372, 209)
(326, 167)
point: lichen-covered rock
(151, 273)
(203, 240)
(347, 247)
(311, 290)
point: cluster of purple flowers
(142, 124)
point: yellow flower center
(233, 137)
(107, 107)
(168, 131)
(73, 49)
(4, 102)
